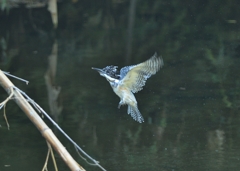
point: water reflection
(216, 141)
(53, 90)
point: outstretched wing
(134, 77)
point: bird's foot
(120, 104)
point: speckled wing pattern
(134, 77)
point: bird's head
(110, 73)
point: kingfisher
(129, 80)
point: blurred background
(191, 106)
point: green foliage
(5, 6)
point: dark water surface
(191, 106)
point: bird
(130, 80)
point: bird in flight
(129, 80)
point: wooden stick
(38, 122)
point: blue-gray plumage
(130, 80)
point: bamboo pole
(38, 122)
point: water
(190, 106)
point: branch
(38, 122)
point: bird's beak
(104, 74)
(99, 70)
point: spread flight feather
(134, 77)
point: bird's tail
(135, 113)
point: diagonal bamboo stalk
(38, 122)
